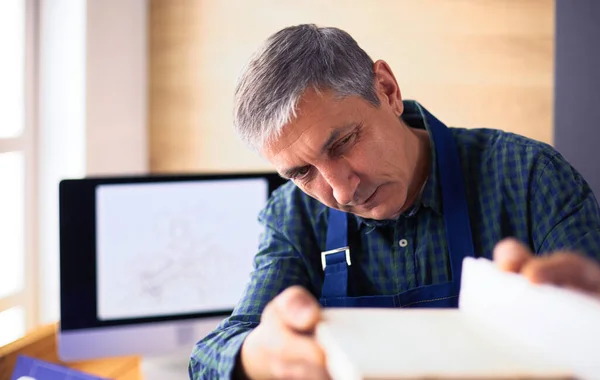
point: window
(17, 169)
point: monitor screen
(143, 255)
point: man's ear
(387, 87)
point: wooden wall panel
(473, 63)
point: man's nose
(344, 183)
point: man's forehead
(321, 109)
(295, 136)
(315, 136)
(313, 110)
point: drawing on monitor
(162, 251)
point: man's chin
(377, 213)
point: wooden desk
(41, 344)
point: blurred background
(116, 87)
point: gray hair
(289, 62)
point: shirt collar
(431, 194)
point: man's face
(348, 154)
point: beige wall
(116, 87)
(473, 63)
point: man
(383, 204)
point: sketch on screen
(165, 249)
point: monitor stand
(172, 366)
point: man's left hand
(568, 269)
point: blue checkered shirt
(515, 187)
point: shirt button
(403, 243)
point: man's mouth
(370, 199)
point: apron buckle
(331, 252)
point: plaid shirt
(515, 187)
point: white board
(504, 328)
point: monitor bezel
(77, 241)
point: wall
(473, 63)
(577, 91)
(116, 76)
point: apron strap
(454, 197)
(336, 258)
(337, 230)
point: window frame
(26, 142)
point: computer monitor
(151, 264)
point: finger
(565, 269)
(298, 357)
(511, 255)
(303, 348)
(298, 309)
(298, 370)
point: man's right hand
(283, 346)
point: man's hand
(283, 346)
(566, 269)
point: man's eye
(345, 141)
(302, 172)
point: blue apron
(337, 258)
